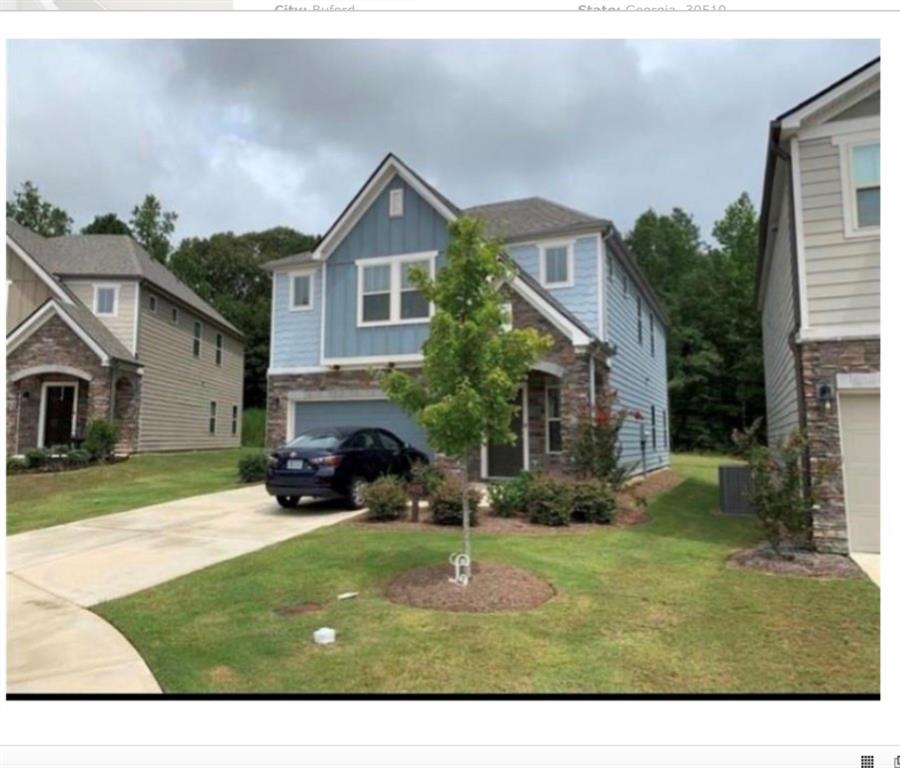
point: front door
(508, 460)
(59, 409)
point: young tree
(473, 364)
(30, 210)
(152, 227)
(106, 224)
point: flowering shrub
(596, 452)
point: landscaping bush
(593, 501)
(550, 501)
(15, 465)
(59, 451)
(36, 458)
(252, 467)
(426, 476)
(446, 503)
(78, 457)
(385, 499)
(101, 439)
(596, 452)
(510, 497)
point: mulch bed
(816, 565)
(494, 588)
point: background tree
(225, 270)
(106, 224)
(473, 366)
(152, 227)
(30, 210)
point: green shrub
(510, 497)
(446, 503)
(14, 465)
(550, 501)
(36, 458)
(78, 457)
(426, 476)
(595, 449)
(252, 467)
(59, 451)
(593, 501)
(101, 439)
(385, 499)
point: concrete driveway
(54, 645)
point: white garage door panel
(860, 446)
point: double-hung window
(556, 265)
(640, 321)
(212, 417)
(413, 303)
(218, 349)
(388, 294)
(376, 293)
(861, 174)
(653, 426)
(652, 337)
(301, 291)
(234, 419)
(106, 300)
(198, 334)
(553, 418)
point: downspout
(592, 375)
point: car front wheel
(357, 492)
(288, 502)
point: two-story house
(348, 308)
(819, 291)
(97, 329)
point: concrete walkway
(870, 564)
(55, 645)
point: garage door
(360, 413)
(860, 436)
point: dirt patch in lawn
(816, 565)
(493, 588)
(298, 608)
(632, 501)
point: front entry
(508, 460)
(59, 414)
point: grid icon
(867, 761)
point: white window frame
(293, 306)
(197, 341)
(42, 409)
(114, 287)
(395, 203)
(548, 419)
(569, 245)
(396, 264)
(846, 143)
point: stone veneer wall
(822, 361)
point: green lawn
(253, 428)
(651, 608)
(37, 501)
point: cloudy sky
(243, 135)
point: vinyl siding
(122, 323)
(177, 387)
(638, 378)
(581, 297)
(295, 335)
(778, 324)
(842, 275)
(26, 291)
(420, 229)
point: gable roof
(107, 256)
(532, 217)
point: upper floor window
(640, 321)
(556, 265)
(301, 291)
(175, 315)
(387, 293)
(652, 337)
(106, 300)
(395, 207)
(198, 334)
(218, 349)
(861, 176)
(151, 302)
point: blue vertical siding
(638, 377)
(295, 335)
(580, 298)
(421, 228)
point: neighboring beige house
(819, 291)
(97, 329)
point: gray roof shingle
(531, 217)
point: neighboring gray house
(96, 329)
(347, 309)
(819, 291)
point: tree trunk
(467, 538)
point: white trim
(547, 387)
(323, 313)
(42, 411)
(553, 369)
(26, 329)
(578, 337)
(800, 244)
(39, 370)
(289, 371)
(272, 310)
(592, 382)
(310, 275)
(794, 119)
(395, 203)
(345, 362)
(115, 288)
(395, 290)
(368, 195)
(858, 381)
(543, 247)
(601, 287)
(526, 448)
(840, 332)
(137, 314)
(846, 144)
(42, 273)
(840, 128)
(336, 395)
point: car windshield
(320, 438)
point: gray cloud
(245, 135)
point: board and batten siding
(122, 323)
(420, 229)
(25, 290)
(843, 283)
(177, 387)
(637, 376)
(581, 297)
(295, 334)
(779, 322)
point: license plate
(296, 464)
